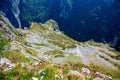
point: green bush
(50, 72)
(2, 76)
(12, 74)
(26, 76)
(89, 78)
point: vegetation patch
(3, 43)
(15, 56)
(17, 73)
(50, 72)
(107, 71)
(20, 39)
(31, 51)
(55, 53)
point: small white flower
(34, 78)
(57, 76)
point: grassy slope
(54, 38)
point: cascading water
(66, 6)
(16, 11)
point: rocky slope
(7, 31)
(43, 52)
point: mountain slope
(7, 30)
(43, 48)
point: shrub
(1, 75)
(50, 72)
(3, 43)
(89, 78)
(26, 76)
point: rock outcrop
(7, 31)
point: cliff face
(7, 30)
(45, 49)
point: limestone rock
(6, 29)
(104, 77)
(52, 25)
(97, 78)
(42, 57)
(75, 75)
(5, 61)
(85, 71)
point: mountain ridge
(44, 46)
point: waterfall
(16, 11)
(66, 6)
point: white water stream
(16, 11)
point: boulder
(75, 75)
(85, 71)
(104, 77)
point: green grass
(55, 53)
(20, 39)
(26, 76)
(91, 42)
(89, 78)
(50, 72)
(2, 75)
(38, 27)
(107, 71)
(61, 40)
(3, 43)
(17, 73)
(24, 73)
(31, 51)
(14, 56)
